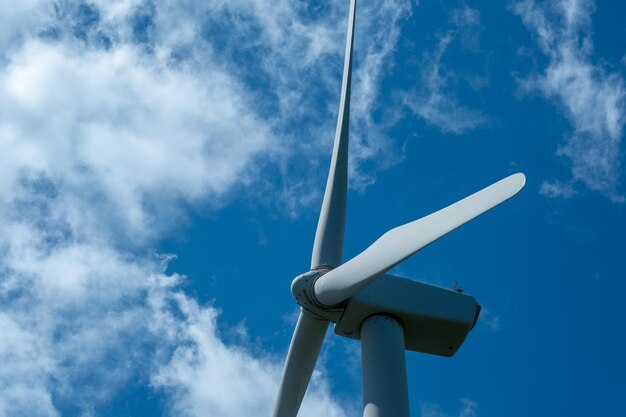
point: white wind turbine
(388, 314)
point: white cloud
(591, 97)
(73, 322)
(435, 102)
(110, 126)
(206, 374)
(557, 189)
(369, 141)
(124, 128)
(79, 320)
(16, 20)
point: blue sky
(162, 166)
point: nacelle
(435, 320)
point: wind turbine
(388, 314)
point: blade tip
(519, 180)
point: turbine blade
(304, 349)
(328, 244)
(398, 244)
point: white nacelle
(435, 320)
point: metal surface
(398, 244)
(304, 349)
(385, 392)
(302, 290)
(328, 244)
(310, 330)
(435, 320)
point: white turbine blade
(398, 244)
(304, 349)
(328, 244)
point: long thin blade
(328, 244)
(398, 244)
(304, 349)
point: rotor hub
(302, 288)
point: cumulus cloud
(436, 103)
(73, 322)
(206, 374)
(590, 96)
(123, 128)
(115, 115)
(79, 320)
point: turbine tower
(388, 314)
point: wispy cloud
(468, 409)
(436, 101)
(116, 115)
(589, 95)
(491, 320)
(375, 49)
(557, 189)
